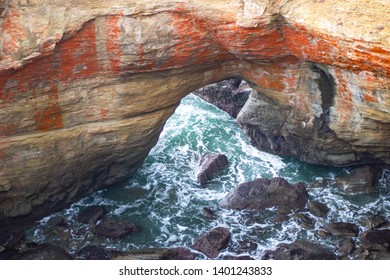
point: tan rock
(86, 86)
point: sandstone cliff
(86, 86)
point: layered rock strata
(86, 86)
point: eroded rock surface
(266, 193)
(86, 86)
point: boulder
(156, 254)
(266, 193)
(212, 242)
(375, 240)
(210, 165)
(91, 215)
(317, 209)
(346, 246)
(375, 221)
(304, 220)
(340, 229)
(360, 180)
(299, 250)
(115, 228)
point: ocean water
(165, 201)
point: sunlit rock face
(86, 86)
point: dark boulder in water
(340, 229)
(360, 180)
(179, 253)
(210, 165)
(115, 228)
(92, 214)
(317, 209)
(346, 246)
(212, 242)
(299, 250)
(375, 240)
(265, 193)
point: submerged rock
(212, 242)
(210, 165)
(317, 209)
(299, 250)
(360, 180)
(91, 215)
(266, 193)
(115, 228)
(340, 229)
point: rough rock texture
(299, 250)
(317, 209)
(210, 165)
(115, 228)
(265, 193)
(341, 229)
(86, 86)
(229, 95)
(179, 253)
(91, 215)
(212, 242)
(361, 179)
(375, 240)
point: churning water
(164, 199)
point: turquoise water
(164, 199)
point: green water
(164, 199)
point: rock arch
(85, 90)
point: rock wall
(86, 86)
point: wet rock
(266, 193)
(346, 246)
(304, 220)
(44, 252)
(375, 240)
(210, 165)
(319, 183)
(91, 215)
(299, 250)
(317, 209)
(360, 180)
(245, 246)
(246, 258)
(208, 212)
(375, 221)
(212, 242)
(323, 234)
(378, 255)
(92, 252)
(157, 254)
(115, 228)
(280, 218)
(340, 229)
(179, 253)
(229, 95)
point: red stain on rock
(78, 56)
(113, 42)
(51, 116)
